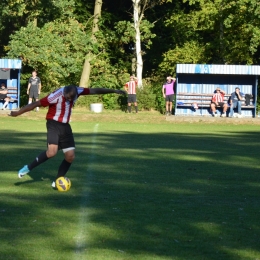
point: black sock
(64, 167)
(136, 109)
(38, 160)
(129, 109)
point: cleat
(23, 171)
(223, 115)
(53, 185)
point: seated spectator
(235, 101)
(218, 100)
(3, 95)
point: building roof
(10, 64)
(218, 69)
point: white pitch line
(81, 237)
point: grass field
(142, 188)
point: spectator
(130, 88)
(218, 101)
(34, 88)
(168, 94)
(235, 102)
(3, 95)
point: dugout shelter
(196, 84)
(10, 73)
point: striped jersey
(218, 97)
(60, 108)
(131, 87)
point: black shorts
(131, 98)
(220, 104)
(169, 98)
(59, 134)
(33, 92)
(3, 96)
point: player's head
(34, 73)
(2, 85)
(70, 92)
(169, 78)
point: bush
(146, 98)
(159, 100)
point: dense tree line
(55, 37)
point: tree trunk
(97, 15)
(139, 59)
(86, 67)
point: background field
(142, 188)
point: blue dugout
(10, 73)
(203, 79)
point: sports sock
(5, 104)
(38, 160)
(129, 109)
(63, 169)
(136, 109)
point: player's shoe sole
(23, 171)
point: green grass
(142, 188)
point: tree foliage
(54, 37)
(57, 50)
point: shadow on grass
(146, 196)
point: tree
(57, 50)
(15, 14)
(227, 31)
(86, 67)
(139, 7)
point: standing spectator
(130, 88)
(59, 132)
(218, 100)
(3, 95)
(34, 88)
(168, 94)
(235, 101)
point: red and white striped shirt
(131, 87)
(218, 97)
(59, 107)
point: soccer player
(59, 132)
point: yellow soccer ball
(63, 184)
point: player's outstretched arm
(25, 109)
(96, 91)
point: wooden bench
(203, 100)
(185, 102)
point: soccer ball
(63, 184)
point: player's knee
(70, 157)
(51, 154)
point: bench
(13, 96)
(203, 101)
